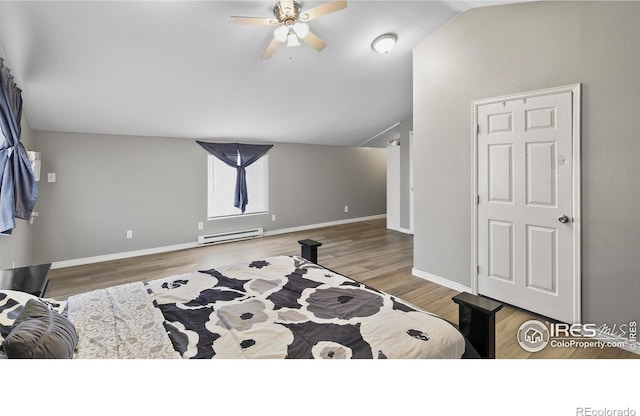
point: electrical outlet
(273, 217)
(51, 177)
(346, 208)
(201, 225)
(13, 264)
(129, 233)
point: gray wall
(16, 248)
(157, 187)
(493, 51)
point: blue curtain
(18, 189)
(228, 153)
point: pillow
(11, 304)
(40, 332)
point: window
(222, 185)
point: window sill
(252, 214)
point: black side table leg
(310, 250)
(479, 330)
(477, 322)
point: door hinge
(477, 199)
(477, 270)
(478, 129)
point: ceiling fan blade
(270, 49)
(260, 21)
(323, 9)
(314, 41)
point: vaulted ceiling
(181, 69)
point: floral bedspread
(288, 307)
(119, 322)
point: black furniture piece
(310, 250)
(477, 322)
(30, 279)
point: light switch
(51, 177)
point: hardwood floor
(364, 251)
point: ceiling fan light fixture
(292, 40)
(301, 29)
(384, 43)
(280, 34)
(290, 23)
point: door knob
(564, 219)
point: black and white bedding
(278, 307)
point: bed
(271, 308)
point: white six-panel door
(525, 203)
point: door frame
(576, 185)
(411, 186)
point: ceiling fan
(291, 24)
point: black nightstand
(30, 279)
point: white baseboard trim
(441, 281)
(401, 230)
(628, 345)
(176, 247)
(323, 224)
(124, 255)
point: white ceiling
(180, 69)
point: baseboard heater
(229, 236)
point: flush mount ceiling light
(384, 43)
